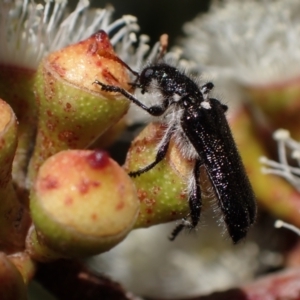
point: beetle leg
(195, 203)
(184, 224)
(156, 110)
(161, 153)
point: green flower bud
(24, 263)
(14, 219)
(73, 111)
(16, 88)
(279, 103)
(82, 203)
(12, 286)
(39, 251)
(272, 191)
(161, 190)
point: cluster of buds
(62, 196)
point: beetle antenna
(128, 68)
(119, 60)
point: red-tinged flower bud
(24, 263)
(12, 286)
(279, 103)
(109, 136)
(161, 190)
(274, 192)
(73, 111)
(16, 88)
(14, 219)
(8, 142)
(82, 203)
(39, 251)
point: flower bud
(14, 219)
(12, 286)
(73, 111)
(161, 190)
(16, 88)
(109, 136)
(8, 141)
(82, 203)
(24, 263)
(39, 251)
(279, 103)
(272, 191)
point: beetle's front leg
(156, 110)
(161, 153)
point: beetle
(200, 129)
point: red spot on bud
(2, 143)
(68, 201)
(50, 125)
(49, 113)
(150, 201)
(149, 211)
(156, 190)
(120, 205)
(49, 183)
(68, 107)
(86, 184)
(94, 217)
(140, 149)
(182, 196)
(142, 195)
(68, 136)
(98, 159)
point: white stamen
(254, 48)
(126, 20)
(153, 52)
(296, 154)
(281, 134)
(282, 168)
(282, 224)
(29, 31)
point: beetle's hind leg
(195, 203)
(184, 224)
